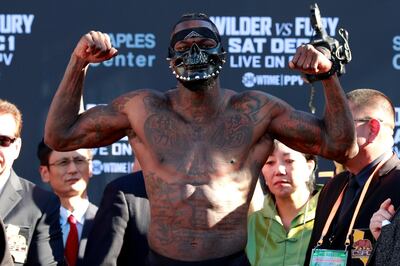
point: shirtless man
(201, 147)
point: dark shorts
(237, 259)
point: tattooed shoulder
(257, 105)
(154, 102)
(119, 104)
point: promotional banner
(260, 37)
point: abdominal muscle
(193, 222)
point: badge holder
(331, 257)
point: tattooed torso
(199, 175)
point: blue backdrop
(37, 38)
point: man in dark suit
(5, 256)
(68, 174)
(119, 235)
(385, 227)
(373, 115)
(30, 214)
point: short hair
(370, 98)
(43, 153)
(9, 108)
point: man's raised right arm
(66, 128)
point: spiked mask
(196, 63)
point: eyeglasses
(6, 141)
(367, 119)
(64, 163)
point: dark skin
(201, 151)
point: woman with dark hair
(279, 233)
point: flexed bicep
(300, 131)
(98, 126)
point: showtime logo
(250, 80)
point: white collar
(3, 180)
(78, 213)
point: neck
(364, 157)
(289, 207)
(202, 103)
(72, 203)
(5, 174)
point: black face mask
(196, 63)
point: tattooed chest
(197, 145)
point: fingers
(386, 204)
(381, 217)
(97, 46)
(309, 60)
(391, 209)
(387, 207)
(375, 224)
(100, 44)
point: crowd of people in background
(202, 151)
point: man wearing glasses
(68, 174)
(374, 118)
(30, 214)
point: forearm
(338, 120)
(64, 109)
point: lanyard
(339, 200)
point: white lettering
(286, 45)
(249, 45)
(396, 43)
(113, 167)
(6, 58)
(103, 151)
(245, 61)
(396, 61)
(243, 26)
(274, 61)
(303, 26)
(283, 29)
(16, 23)
(129, 60)
(121, 149)
(133, 41)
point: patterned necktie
(72, 244)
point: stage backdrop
(37, 38)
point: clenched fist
(94, 47)
(310, 60)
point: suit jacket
(385, 184)
(87, 227)
(34, 212)
(119, 232)
(5, 256)
(386, 250)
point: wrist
(78, 62)
(324, 76)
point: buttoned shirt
(268, 243)
(78, 213)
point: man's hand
(94, 47)
(310, 60)
(385, 212)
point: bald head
(200, 17)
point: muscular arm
(333, 136)
(65, 128)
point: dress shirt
(78, 213)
